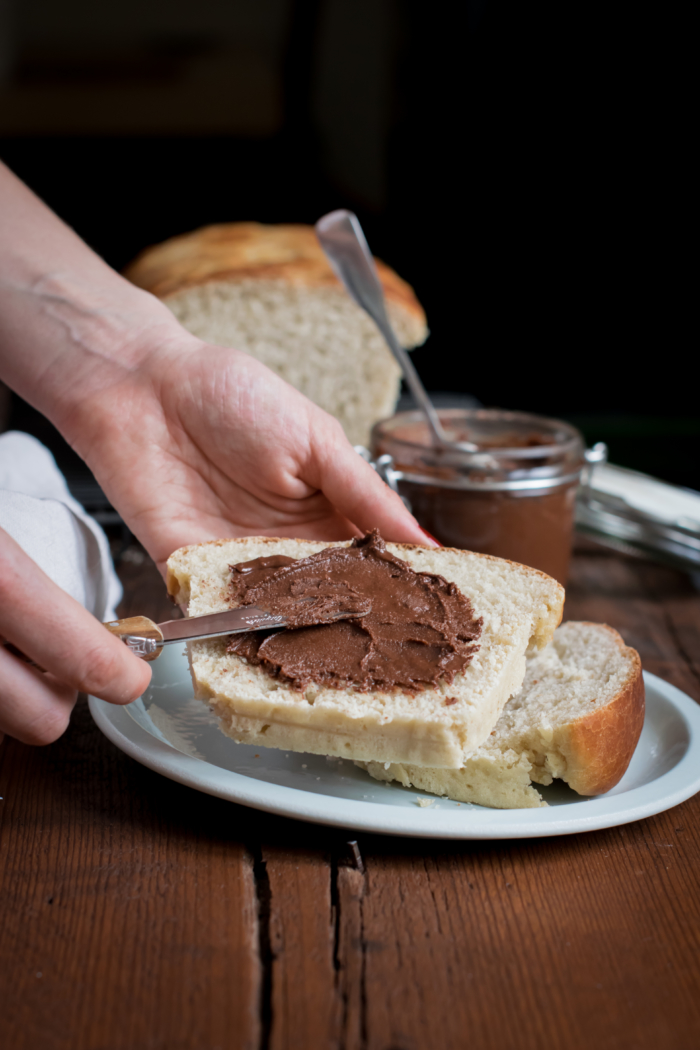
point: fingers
(359, 494)
(34, 708)
(55, 631)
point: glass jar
(513, 497)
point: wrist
(69, 339)
(70, 326)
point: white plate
(171, 732)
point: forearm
(69, 324)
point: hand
(198, 442)
(52, 629)
(191, 442)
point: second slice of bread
(434, 727)
(577, 718)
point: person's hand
(191, 442)
(199, 442)
(56, 632)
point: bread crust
(240, 251)
(601, 744)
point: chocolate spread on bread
(421, 629)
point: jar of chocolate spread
(512, 497)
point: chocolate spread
(420, 629)
(531, 529)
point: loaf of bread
(577, 717)
(269, 290)
(436, 726)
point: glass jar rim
(573, 442)
(490, 468)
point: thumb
(359, 494)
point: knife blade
(147, 639)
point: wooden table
(141, 915)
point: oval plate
(172, 733)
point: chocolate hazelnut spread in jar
(512, 497)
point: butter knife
(147, 639)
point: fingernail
(432, 538)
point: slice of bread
(435, 727)
(578, 717)
(269, 290)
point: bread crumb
(423, 802)
(303, 767)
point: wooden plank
(655, 610)
(678, 595)
(350, 955)
(589, 940)
(304, 1005)
(129, 908)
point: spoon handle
(346, 248)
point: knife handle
(141, 635)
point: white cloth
(40, 514)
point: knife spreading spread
(146, 638)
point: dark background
(524, 168)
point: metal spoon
(346, 248)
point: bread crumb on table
(423, 802)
